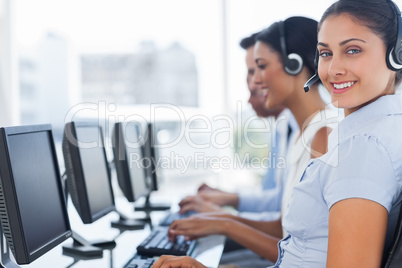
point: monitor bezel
(149, 151)
(12, 223)
(78, 171)
(124, 179)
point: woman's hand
(198, 226)
(208, 201)
(206, 187)
(167, 261)
(220, 198)
(197, 203)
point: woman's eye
(261, 66)
(353, 51)
(325, 54)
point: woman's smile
(341, 87)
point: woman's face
(352, 63)
(275, 82)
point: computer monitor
(34, 217)
(150, 159)
(128, 159)
(134, 159)
(87, 170)
(88, 182)
(150, 156)
(130, 173)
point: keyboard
(172, 216)
(157, 243)
(140, 263)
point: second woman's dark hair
(300, 37)
(248, 41)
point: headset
(292, 63)
(394, 58)
(394, 52)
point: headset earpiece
(394, 53)
(391, 63)
(292, 63)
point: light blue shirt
(270, 199)
(364, 160)
(269, 180)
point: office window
(136, 52)
(148, 75)
(119, 52)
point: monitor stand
(5, 253)
(149, 207)
(6, 262)
(125, 223)
(83, 249)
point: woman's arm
(254, 239)
(357, 229)
(199, 226)
(272, 228)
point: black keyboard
(140, 263)
(157, 243)
(172, 216)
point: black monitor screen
(88, 175)
(94, 166)
(131, 168)
(39, 200)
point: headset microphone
(314, 79)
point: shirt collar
(385, 105)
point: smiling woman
(354, 40)
(346, 63)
